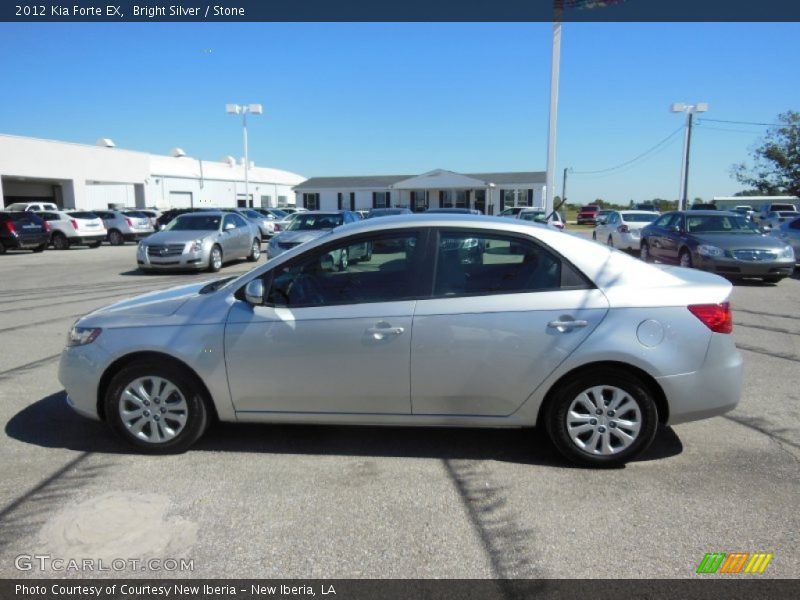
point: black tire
(368, 256)
(610, 242)
(685, 256)
(214, 265)
(60, 241)
(255, 251)
(558, 407)
(2, 248)
(344, 260)
(115, 238)
(772, 279)
(96, 244)
(188, 386)
(40, 248)
(594, 236)
(644, 253)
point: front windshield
(251, 214)
(279, 213)
(309, 222)
(719, 224)
(194, 223)
(639, 217)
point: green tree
(776, 161)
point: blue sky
(395, 98)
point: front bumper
(79, 371)
(194, 261)
(132, 236)
(629, 241)
(732, 267)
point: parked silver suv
(125, 225)
(74, 228)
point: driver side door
(325, 340)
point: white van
(30, 206)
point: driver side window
(380, 268)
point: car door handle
(565, 324)
(380, 333)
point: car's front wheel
(602, 418)
(158, 408)
(115, 238)
(215, 259)
(685, 259)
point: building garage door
(180, 199)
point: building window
(446, 199)
(352, 200)
(419, 201)
(266, 201)
(381, 199)
(283, 201)
(520, 197)
(461, 198)
(311, 201)
(480, 200)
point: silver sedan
(591, 344)
(197, 241)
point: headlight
(80, 336)
(195, 246)
(141, 248)
(706, 250)
(787, 253)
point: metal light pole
(555, 63)
(690, 110)
(243, 109)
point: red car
(588, 214)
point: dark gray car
(722, 242)
(309, 226)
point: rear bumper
(87, 239)
(712, 390)
(26, 242)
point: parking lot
(302, 501)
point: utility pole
(555, 62)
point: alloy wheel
(603, 420)
(153, 409)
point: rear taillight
(74, 224)
(717, 317)
(276, 227)
(46, 227)
(623, 229)
(10, 227)
(129, 222)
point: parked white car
(71, 228)
(30, 206)
(125, 225)
(622, 228)
(538, 215)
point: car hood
(153, 308)
(178, 237)
(739, 241)
(298, 237)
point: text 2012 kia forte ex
(450, 320)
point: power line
(739, 122)
(627, 162)
(748, 132)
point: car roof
(646, 212)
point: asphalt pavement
(342, 502)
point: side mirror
(254, 292)
(229, 226)
(765, 228)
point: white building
(103, 176)
(489, 193)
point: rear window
(25, 217)
(639, 218)
(82, 215)
(589, 208)
(135, 214)
(778, 207)
(104, 214)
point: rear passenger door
(504, 313)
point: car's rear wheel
(40, 248)
(610, 242)
(60, 241)
(602, 418)
(158, 408)
(685, 259)
(255, 251)
(215, 259)
(115, 238)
